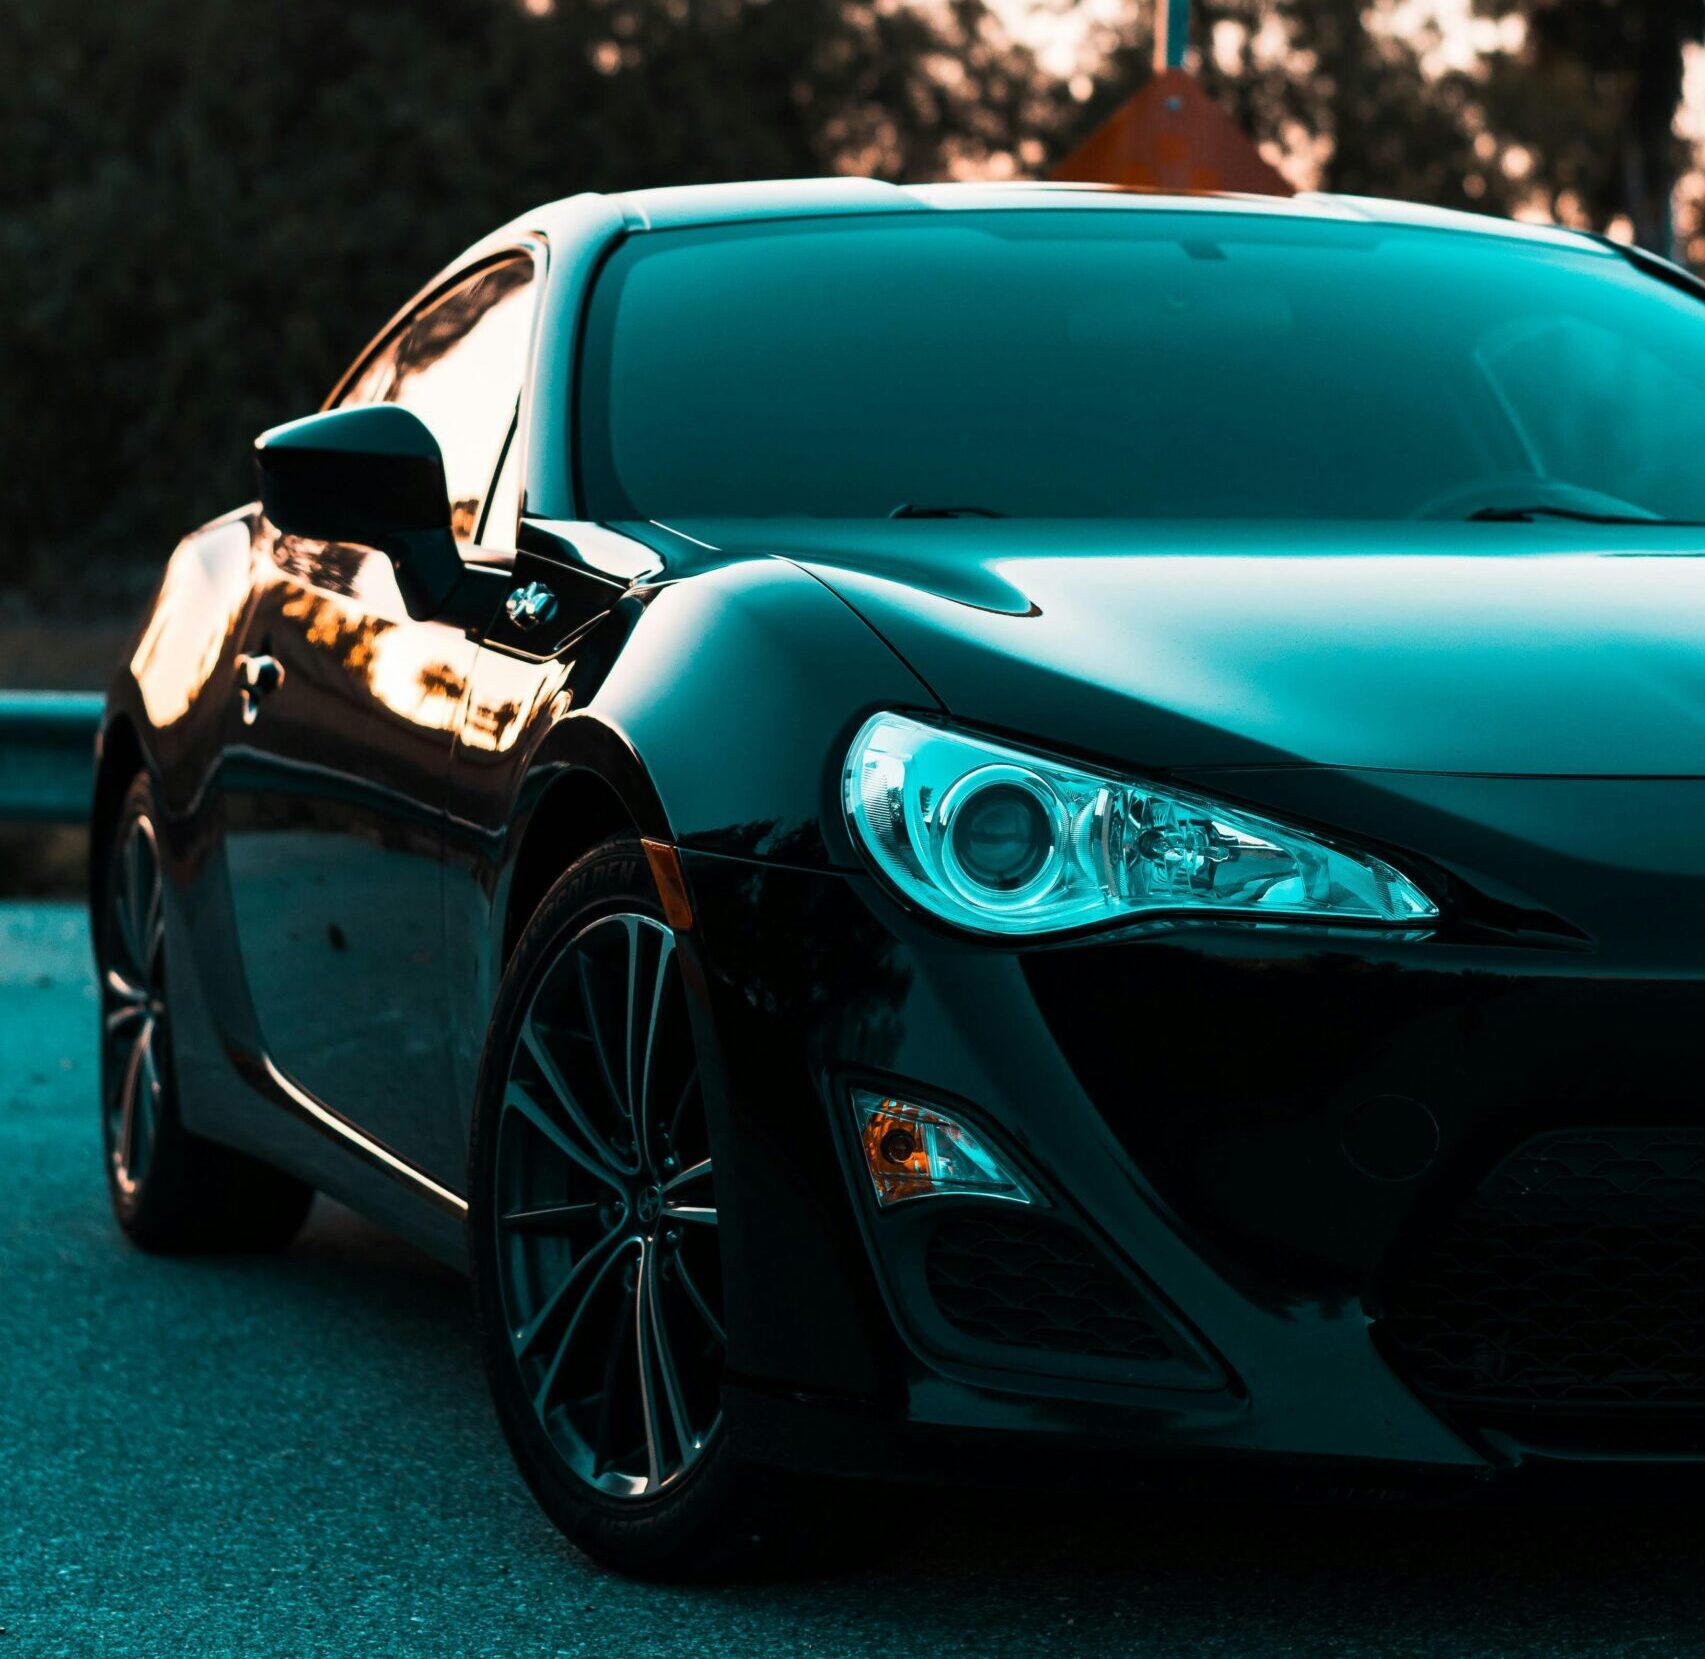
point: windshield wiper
(1526, 515)
(910, 509)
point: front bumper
(1267, 1130)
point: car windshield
(1135, 363)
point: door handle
(257, 677)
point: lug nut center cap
(648, 1206)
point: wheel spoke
(549, 1219)
(590, 1287)
(696, 1297)
(131, 1021)
(648, 1402)
(125, 1014)
(518, 1099)
(698, 1215)
(664, 1355)
(595, 1030)
(659, 983)
(693, 1172)
(146, 891)
(607, 1397)
(130, 1086)
(149, 1091)
(126, 990)
(595, 1145)
(154, 934)
(150, 1062)
(560, 1086)
(571, 1294)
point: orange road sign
(1172, 136)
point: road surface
(295, 1457)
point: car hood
(1515, 649)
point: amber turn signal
(915, 1151)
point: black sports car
(958, 828)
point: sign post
(1172, 136)
(1171, 34)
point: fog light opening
(914, 1151)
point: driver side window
(458, 364)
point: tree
(1327, 85)
(1592, 93)
(209, 205)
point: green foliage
(1322, 76)
(1388, 128)
(208, 206)
(1592, 96)
(1577, 118)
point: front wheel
(593, 1231)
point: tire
(171, 1191)
(578, 1236)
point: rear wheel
(593, 1231)
(170, 1190)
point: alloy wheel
(133, 1006)
(605, 1213)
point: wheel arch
(712, 713)
(583, 783)
(575, 811)
(120, 758)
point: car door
(344, 715)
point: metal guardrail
(47, 756)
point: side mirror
(372, 475)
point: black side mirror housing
(371, 475)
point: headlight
(1002, 841)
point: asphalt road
(295, 1457)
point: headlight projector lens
(1003, 832)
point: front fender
(742, 691)
(712, 712)
(718, 708)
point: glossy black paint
(1509, 712)
(373, 476)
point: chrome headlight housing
(1000, 841)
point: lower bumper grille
(1027, 1282)
(1573, 1279)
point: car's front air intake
(1572, 1280)
(1024, 1281)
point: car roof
(677, 206)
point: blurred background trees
(1592, 94)
(207, 206)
